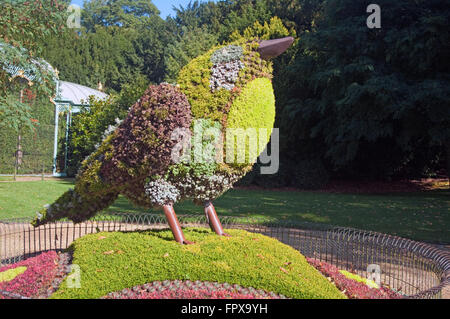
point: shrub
(225, 75)
(195, 79)
(140, 147)
(226, 66)
(227, 54)
(229, 85)
(161, 192)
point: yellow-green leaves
(251, 119)
(11, 273)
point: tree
(23, 25)
(24, 22)
(223, 17)
(297, 14)
(269, 30)
(191, 43)
(373, 101)
(122, 13)
(115, 45)
(243, 14)
(151, 45)
(107, 56)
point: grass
(421, 216)
(110, 262)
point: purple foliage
(142, 144)
(352, 288)
(191, 290)
(42, 277)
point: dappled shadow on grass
(158, 233)
(421, 216)
(166, 234)
(66, 181)
(418, 215)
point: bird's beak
(269, 49)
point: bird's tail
(75, 207)
(91, 195)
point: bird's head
(232, 84)
(214, 80)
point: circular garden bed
(150, 265)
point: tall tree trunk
(19, 153)
(448, 160)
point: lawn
(421, 216)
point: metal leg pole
(213, 220)
(175, 225)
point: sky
(165, 6)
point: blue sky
(165, 6)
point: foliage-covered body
(227, 88)
(24, 24)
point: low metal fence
(413, 269)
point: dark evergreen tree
(373, 101)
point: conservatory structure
(30, 153)
(69, 99)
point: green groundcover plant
(10, 274)
(113, 261)
(358, 278)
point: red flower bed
(191, 290)
(41, 277)
(352, 288)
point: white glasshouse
(70, 97)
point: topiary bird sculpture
(171, 146)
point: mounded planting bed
(111, 262)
